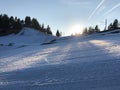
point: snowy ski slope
(72, 63)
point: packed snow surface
(71, 63)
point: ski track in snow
(88, 63)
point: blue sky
(62, 14)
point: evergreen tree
(97, 29)
(5, 22)
(17, 26)
(43, 28)
(115, 24)
(22, 22)
(11, 22)
(4, 25)
(35, 24)
(90, 30)
(58, 34)
(28, 21)
(110, 27)
(1, 17)
(48, 30)
(16, 19)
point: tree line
(13, 25)
(112, 26)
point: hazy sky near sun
(62, 14)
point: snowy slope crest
(25, 37)
(30, 32)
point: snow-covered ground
(72, 63)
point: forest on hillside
(111, 27)
(13, 25)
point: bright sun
(76, 29)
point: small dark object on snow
(50, 42)
(115, 32)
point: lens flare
(76, 29)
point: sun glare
(76, 29)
